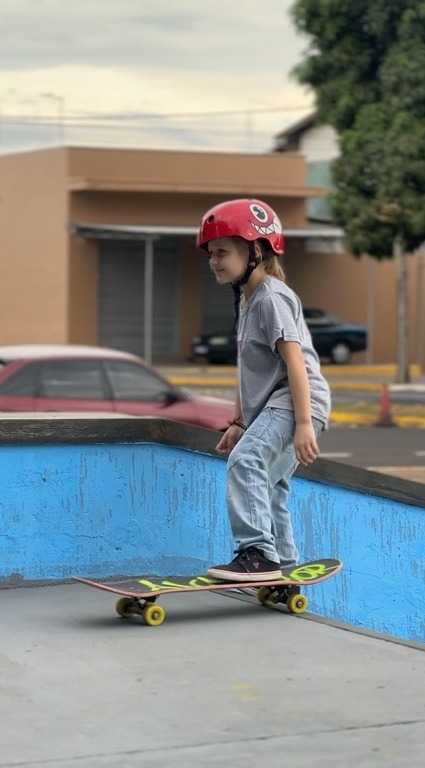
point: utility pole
(403, 376)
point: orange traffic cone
(385, 418)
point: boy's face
(228, 258)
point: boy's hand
(305, 444)
(231, 436)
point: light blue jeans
(259, 469)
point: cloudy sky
(100, 71)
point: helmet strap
(253, 261)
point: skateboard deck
(138, 595)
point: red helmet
(247, 218)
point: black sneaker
(249, 565)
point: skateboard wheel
(264, 594)
(297, 603)
(126, 606)
(154, 614)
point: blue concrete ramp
(131, 497)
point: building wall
(319, 144)
(49, 278)
(33, 247)
(209, 172)
(357, 290)
(83, 308)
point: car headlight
(218, 341)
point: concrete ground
(223, 682)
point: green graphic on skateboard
(139, 595)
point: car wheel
(341, 353)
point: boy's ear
(258, 251)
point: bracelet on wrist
(238, 423)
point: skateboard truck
(289, 595)
(153, 615)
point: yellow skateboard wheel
(154, 615)
(297, 603)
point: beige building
(97, 246)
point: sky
(102, 72)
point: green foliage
(366, 63)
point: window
(134, 382)
(313, 314)
(319, 317)
(73, 379)
(23, 383)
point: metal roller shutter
(217, 303)
(121, 292)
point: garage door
(121, 297)
(217, 303)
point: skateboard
(138, 595)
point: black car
(333, 340)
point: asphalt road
(375, 446)
(364, 446)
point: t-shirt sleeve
(278, 321)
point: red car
(77, 378)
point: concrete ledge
(166, 432)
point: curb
(185, 381)
(192, 381)
(331, 371)
(338, 386)
(368, 420)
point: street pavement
(394, 451)
(223, 682)
(357, 390)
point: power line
(177, 130)
(251, 111)
(134, 116)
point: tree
(366, 64)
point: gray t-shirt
(274, 312)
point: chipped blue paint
(99, 510)
(381, 544)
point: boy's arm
(305, 443)
(299, 385)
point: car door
(18, 388)
(321, 327)
(73, 385)
(136, 389)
